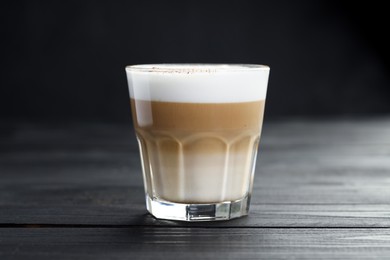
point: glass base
(198, 212)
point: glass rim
(195, 67)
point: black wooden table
(322, 191)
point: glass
(198, 128)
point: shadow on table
(148, 220)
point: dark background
(64, 60)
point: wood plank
(310, 173)
(193, 243)
(260, 216)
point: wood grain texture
(75, 191)
(193, 243)
(333, 173)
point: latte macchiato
(198, 128)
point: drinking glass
(198, 128)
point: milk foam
(198, 83)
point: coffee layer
(181, 116)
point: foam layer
(198, 83)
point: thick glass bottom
(198, 212)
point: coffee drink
(198, 128)
(199, 153)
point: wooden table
(322, 191)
